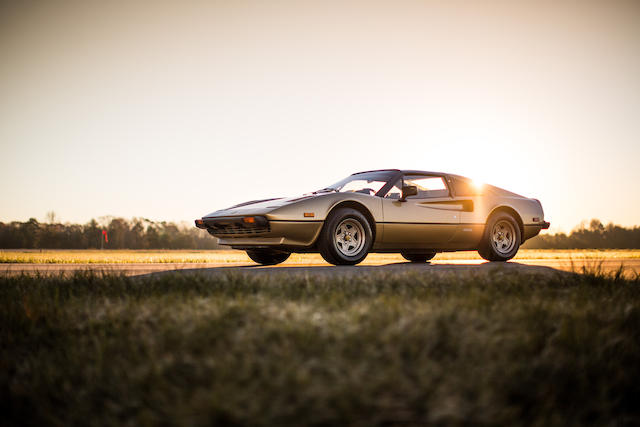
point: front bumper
(234, 225)
(236, 232)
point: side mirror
(408, 190)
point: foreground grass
(381, 349)
(234, 256)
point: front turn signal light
(249, 220)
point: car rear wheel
(418, 257)
(267, 256)
(501, 239)
(346, 237)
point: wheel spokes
(503, 237)
(349, 238)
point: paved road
(546, 266)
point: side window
(428, 186)
(395, 192)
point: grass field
(267, 350)
(233, 256)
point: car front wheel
(346, 237)
(501, 239)
(267, 256)
(418, 257)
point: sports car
(415, 213)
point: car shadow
(351, 270)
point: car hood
(258, 207)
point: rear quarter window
(464, 187)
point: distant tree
(92, 234)
(118, 231)
(30, 231)
(596, 226)
(51, 217)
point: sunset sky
(174, 110)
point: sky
(171, 110)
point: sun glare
(477, 184)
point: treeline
(114, 233)
(140, 233)
(595, 235)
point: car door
(427, 220)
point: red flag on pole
(106, 238)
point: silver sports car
(413, 212)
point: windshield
(366, 183)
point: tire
(268, 256)
(501, 239)
(345, 238)
(418, 257)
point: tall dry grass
(491, 347)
